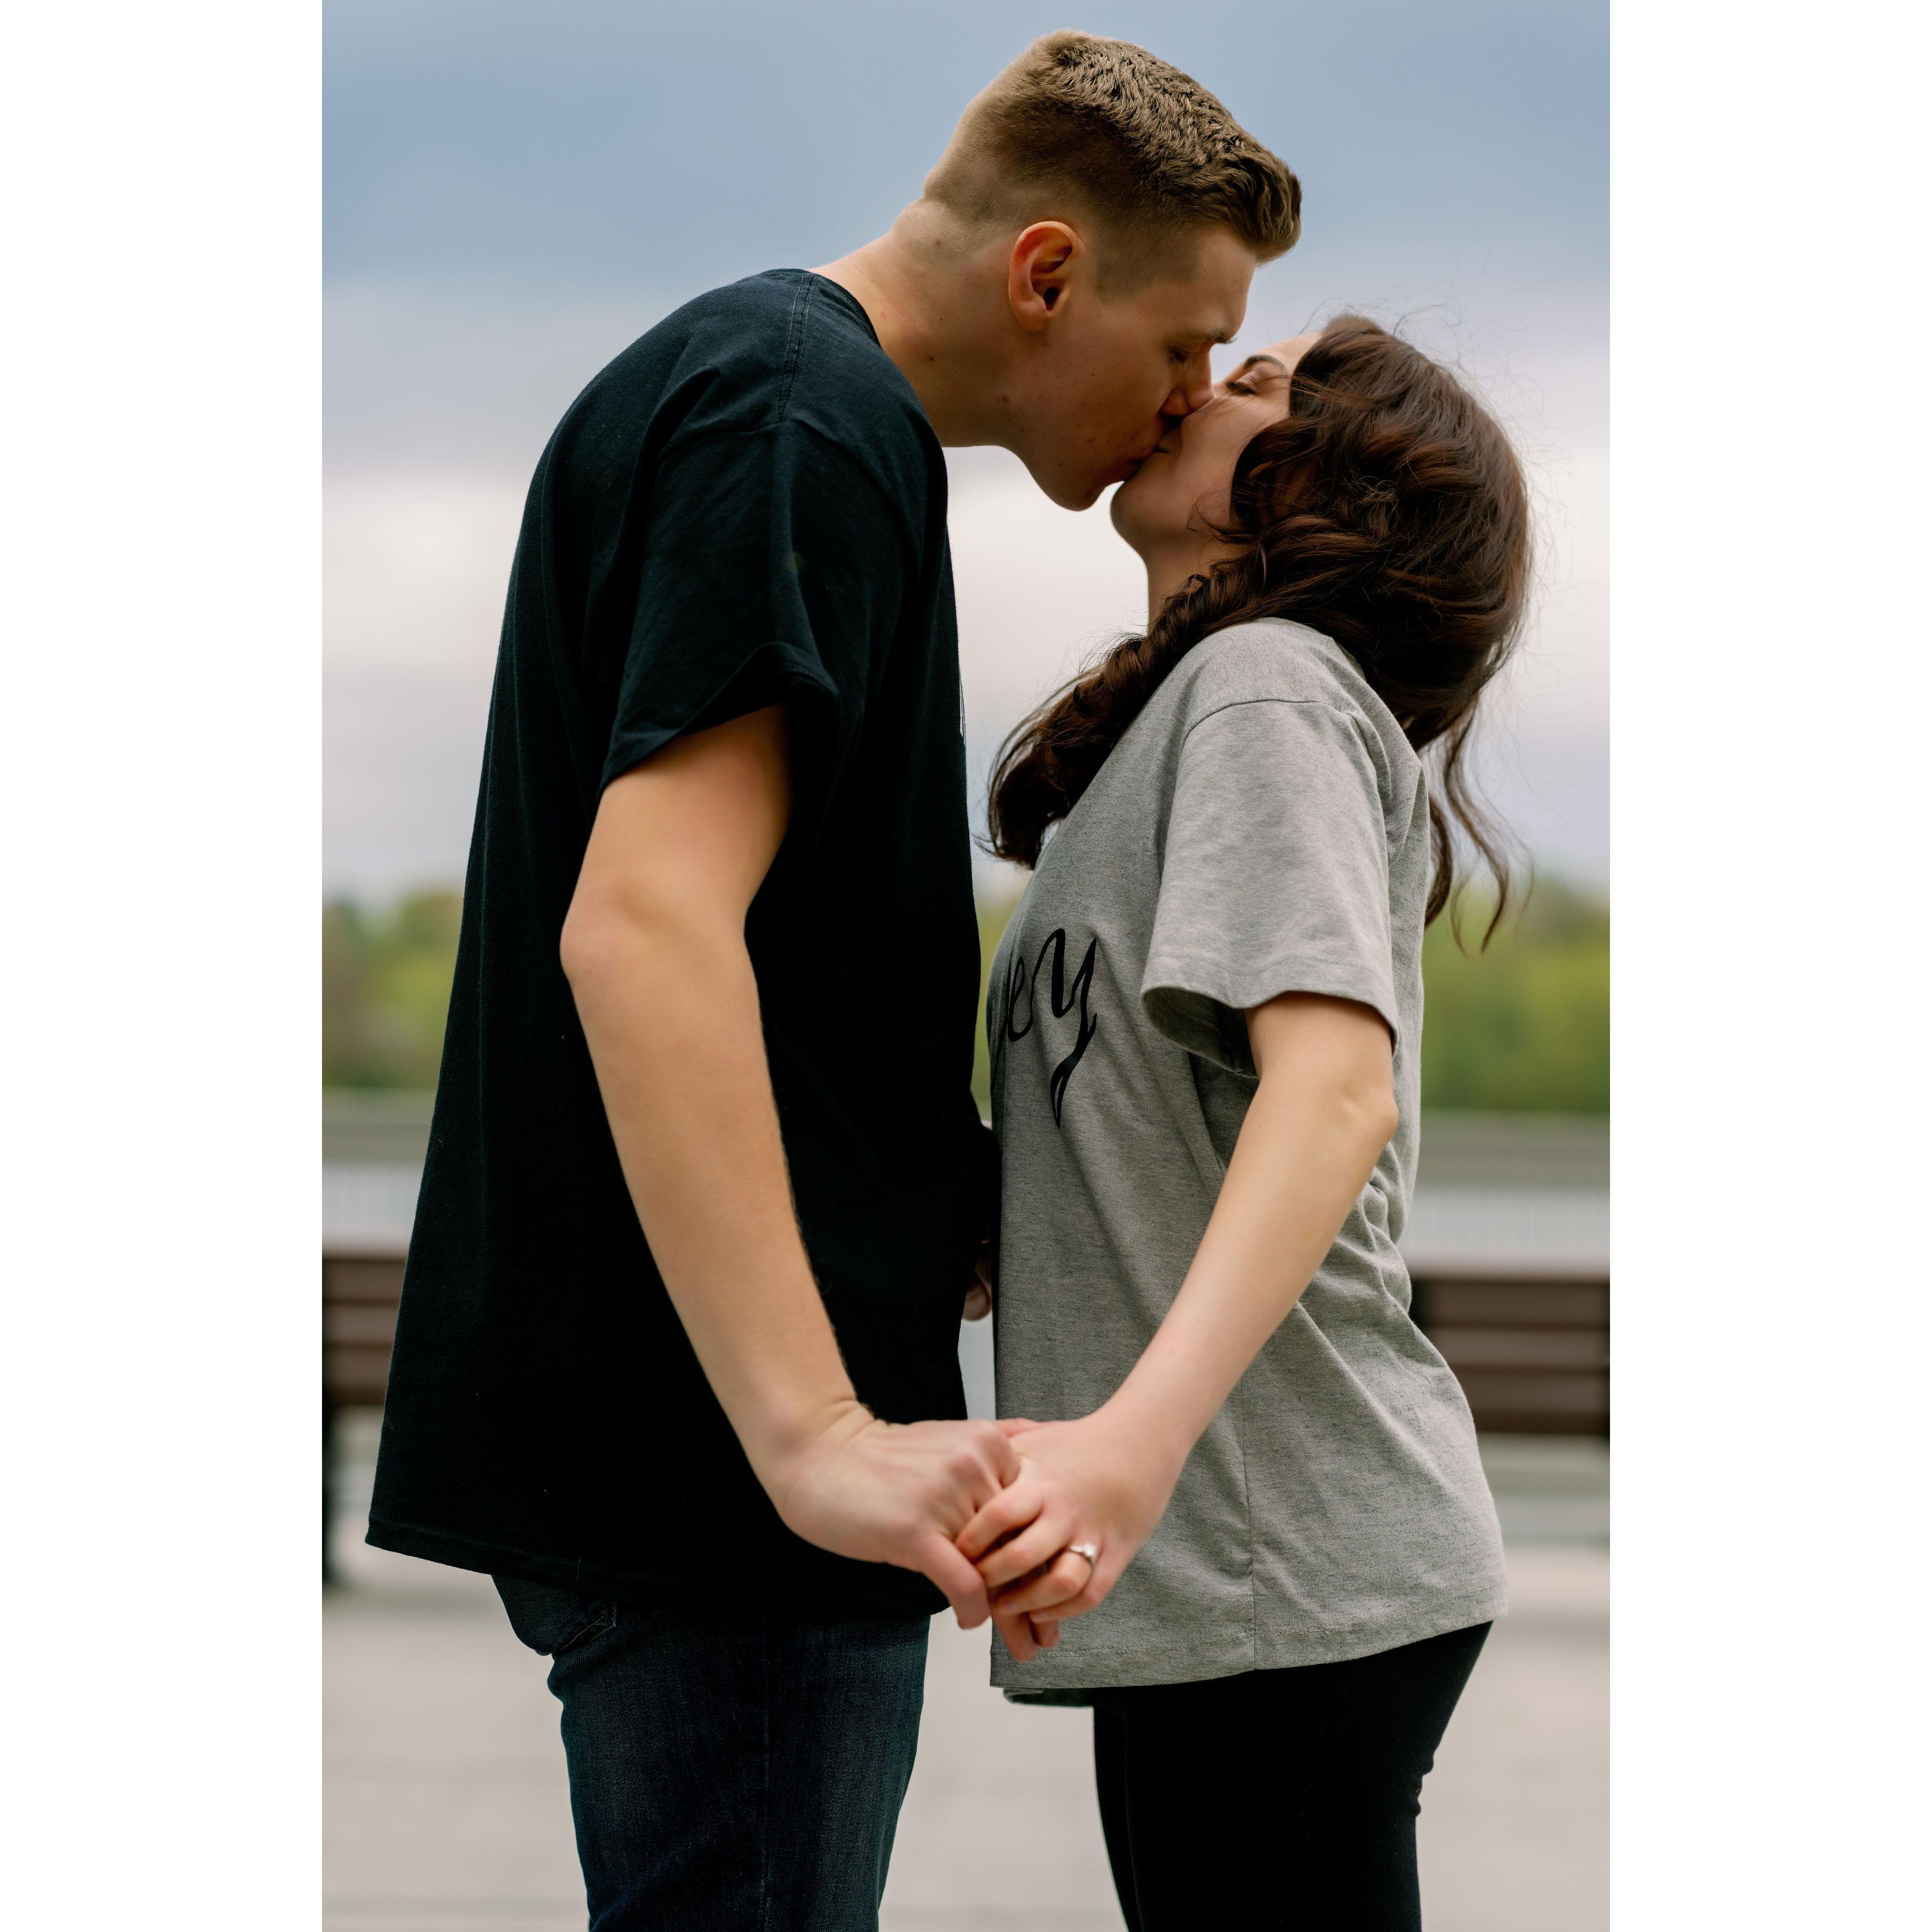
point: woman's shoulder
(1271, 660)
(1271, 657)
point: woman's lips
(1133, 464)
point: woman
(1204, 1020)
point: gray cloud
(663, 149)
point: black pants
(1278, 1801)
(729, 1773)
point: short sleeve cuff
(1202, 1006)
(771, 674)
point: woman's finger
(1013, 1508)
(1017, 1634)
(1054, 1588)
(1050, 1616)
(1039, 1543)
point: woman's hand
(1024, 1637)
(1096, 1481)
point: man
(677, 1356)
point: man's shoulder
(786, 346)
(727, 345)
(755, 324)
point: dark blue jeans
(729, 1774)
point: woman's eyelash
(1240, 388)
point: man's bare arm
(654, 949)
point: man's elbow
(606, 937)
(620, 936)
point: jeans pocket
(552, 1621)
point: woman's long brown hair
(1388, 511)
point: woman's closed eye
(1257, 374)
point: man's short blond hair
(1103, 127)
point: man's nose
(1194, 391)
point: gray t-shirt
(1261, 828)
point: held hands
(989, 1512)
(1097, 1482)
(898, 1493)
(993, 1513)
(891, 1492)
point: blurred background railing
(1507, 1245)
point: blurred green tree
(386, 979)
(1524, 1026)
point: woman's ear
(1041, 266)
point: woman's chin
(1128, 512)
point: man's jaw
(1085, 495)
(1131, 466)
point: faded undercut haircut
(1102, 128)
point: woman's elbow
(1369, 1106)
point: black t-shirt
(747, 507)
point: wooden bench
(360, 1292)
(361, 1287)
(1531, 1350)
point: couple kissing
(676, 1363)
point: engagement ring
(1088, 1550)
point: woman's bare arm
(1323, 1112)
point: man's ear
(1039, 269)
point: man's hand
(1094, 1481)
(899, 1493)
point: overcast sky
(516, 192)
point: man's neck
(939, 316)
